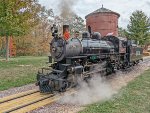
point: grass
(135, 98)
(20, 71)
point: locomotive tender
(81, 58)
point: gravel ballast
(17, 90)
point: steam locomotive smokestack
(65, 28)
(66, 33)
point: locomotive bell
(86, 34)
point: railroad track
(27, 101)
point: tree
(139, 27)
(17, 17)
(122, 32)
(36, 42)
(75, 22)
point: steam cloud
(95, 90)
(66, 7)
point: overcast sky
(123, 7)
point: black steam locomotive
(80, 58)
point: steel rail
(33, 102)
(40, 99)
(20, 96)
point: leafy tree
(75, 22)
(36, 42)
(139, 27)
(17, 17)
(122, 32)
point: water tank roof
(102, 10)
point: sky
(124, 7)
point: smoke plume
(66, 7)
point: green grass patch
(135, 98)
(20, 71)
(15, 62)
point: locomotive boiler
(60, 49)
(80, 58)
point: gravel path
(121, 79)
(59, 108)
(17, 90)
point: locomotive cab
(135, 52)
